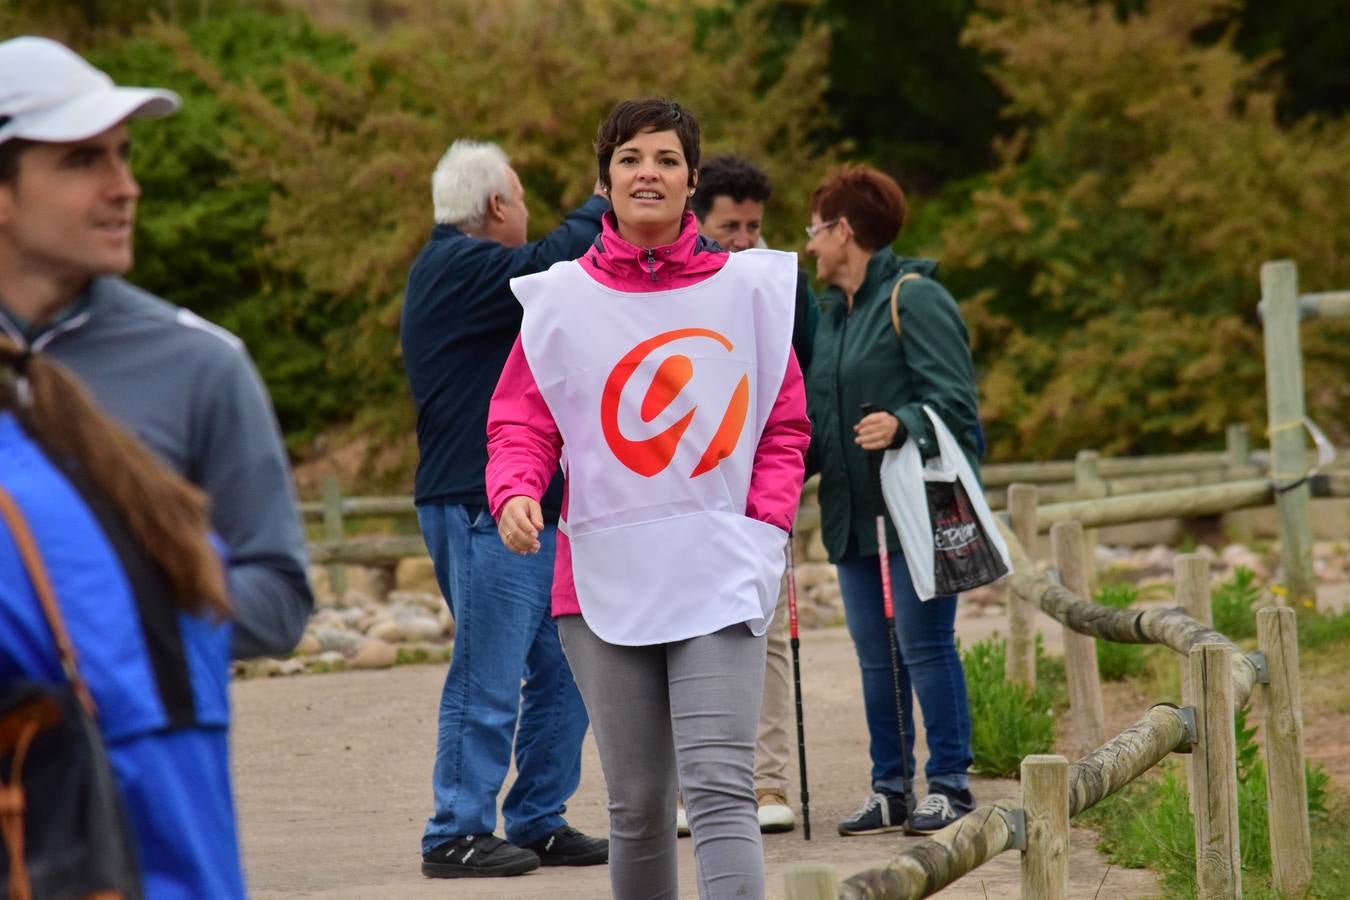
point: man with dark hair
(509, 687)
(185, 387)
(729, 204)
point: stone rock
(1235, 555)
(424, 601)
(331, 658)
(322, 588)
(370, 581)
(422, 628)
(416, 573)
(338, 640)
(308, 644)
(293, 666)
(373, 653)
(387, 630)
(354, 599)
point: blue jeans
(929, 667)
(504, 633)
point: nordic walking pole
(888, 607)
(797, 688)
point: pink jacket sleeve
(523, 440)
(776, 479)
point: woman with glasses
(659, 370)
(893, 366)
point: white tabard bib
(661, 399)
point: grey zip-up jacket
(189, 391)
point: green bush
(1234, 605)
(1116, 661)
(1008, 722)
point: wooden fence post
(1045, 800)
(334, 530)
(1191, 578)
(1286, 783)
(1088, 482)
(1284, 409)
(1080, 650)
(1020, 661)
(811, 881)
(1238, 443)
(1218, 862)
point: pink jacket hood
(622, 266)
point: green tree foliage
(1111, 259)
(200, 241)
(906, 93)
(350, 157)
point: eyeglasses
(813, 230)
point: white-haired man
(508, 681)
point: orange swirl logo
(652, 455)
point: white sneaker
(774, 813)
(681, 822)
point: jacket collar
(689, 254)
(27, 334)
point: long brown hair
(165, 515)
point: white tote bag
(904, 476)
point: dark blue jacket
(460, 320)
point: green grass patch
(1008, 721)
(1234, 605)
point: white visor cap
(49, 93)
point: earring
(691, 192)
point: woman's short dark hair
(630, 117)
(730, 176)
(871, 201)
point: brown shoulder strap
(895, 298)
(37, 573)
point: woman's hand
(876, 431)
(520, 523)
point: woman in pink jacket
(658, 370)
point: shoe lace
(935, 805)
(871, 803)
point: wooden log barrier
(1045, 800)
(1080, 650)
(1218, 860)
(1286, 782)
(335, 531)
(1288, 443)
(810, 881)
(931, 865)
(1020, 661)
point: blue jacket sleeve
(493, 304)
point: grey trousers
(690, 706)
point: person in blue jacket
(141, 590)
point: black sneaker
(569, 847)
(939, 809)
(882, 812)
(477, 856)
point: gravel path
(332, 782)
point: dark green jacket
(858, 359)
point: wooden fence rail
(1225, 679)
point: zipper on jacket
(651, 263)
